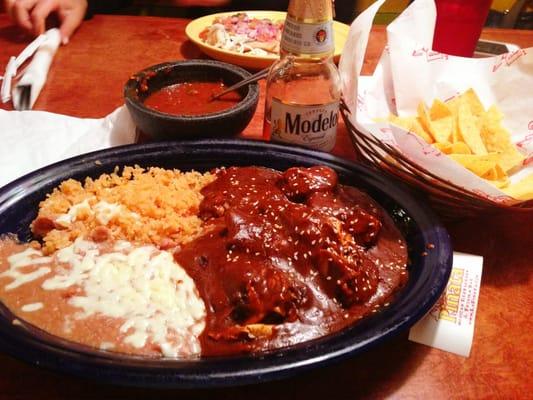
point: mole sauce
(289, 257)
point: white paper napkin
(34, 139)
(35, 75)
(449, 326)
(409, 72)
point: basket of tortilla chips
(459, 129)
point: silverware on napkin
(33, 78)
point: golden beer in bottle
(303, 86)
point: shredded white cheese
(26, 258)
(143, 286)
(106, 345)
(103, 211)
(73, 212)
(32, 307)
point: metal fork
(25, 97)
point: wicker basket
(449, 200)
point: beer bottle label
(307, 38)
(312, 126)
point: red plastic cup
(458, 26)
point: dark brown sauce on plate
(289, 257)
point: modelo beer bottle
(303, 86)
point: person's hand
(31, 14)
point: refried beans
(120, 297)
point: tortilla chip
(470, 97)
(453, 104)
(478, 164)
(497, 139)
(445, 148)
(460, 148)
(439, 110)
(510, 158)
(425, 122)
(411, 124)
(494, 113)
(499, 172)
(456, 134)
(403, 122)
(381, 119)
(491, 131)
(495, 174)
(469, 128)
(500, 184)
(521, 190)
(441, 129)
(417, 128)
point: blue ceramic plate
(428, 274)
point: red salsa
(191, 98)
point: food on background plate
(192, 98)
(473, 137)
(163, 263)
(241, 33)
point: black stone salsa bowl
(163, 126)
(430, 255)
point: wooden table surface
(86, 80)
